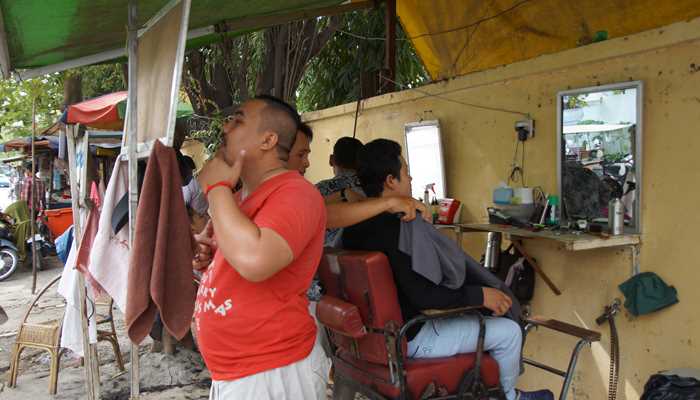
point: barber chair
(361, 314)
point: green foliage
(333, 77)
(17, 101)
(571, 102)
(101, 79)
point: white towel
(109, 256)
(68, 287)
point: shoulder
(383, 226)
(297, 191)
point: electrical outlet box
(525, 129)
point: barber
(254, 331)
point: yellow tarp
(455, 37)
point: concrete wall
(479, 146)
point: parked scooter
(8, 251)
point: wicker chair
(109, 334)
(43, 336)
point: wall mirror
(599, 145)
(424, 157)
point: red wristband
(217, 184)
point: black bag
(671, 387)
(523, 278)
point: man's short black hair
(345, 152)
(306, 130)
(282, 119)
(377, 160)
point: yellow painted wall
(478, 150)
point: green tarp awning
(41, 33)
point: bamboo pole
(32, 198)
(92, 375)
(132, 142)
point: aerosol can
(616, 216)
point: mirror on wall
(424, 157)
(600, 149)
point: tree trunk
(221, 75)
(72, 89)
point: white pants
(448, 337)
(305, 379)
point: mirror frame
(435, 123)
(636, 227)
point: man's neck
(256, 172)
(343, 171)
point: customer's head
(382, 170)
(345, 153)
(299, 156)
(264, 127)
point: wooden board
(570, 241)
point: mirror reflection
(598, 137)
(424, 157)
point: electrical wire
(459, 28)
(440, 96)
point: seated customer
(383, 173)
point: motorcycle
(9, 259)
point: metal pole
(92, 376)
(132, 143)
(32, 197)
(390, 46)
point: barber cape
(443, 262)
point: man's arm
(341, 215)
(256, 253)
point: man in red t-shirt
(252, 321)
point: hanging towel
(69, 288)
(109, 254)
(160, 271)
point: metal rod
(132, 141)
(545, 367)
(390, 45)
(570, 371)
(92, 380)
(32, 197)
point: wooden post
(32, 202)
(92, 375)
(390, 45)
(132, 142)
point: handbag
(517, 273)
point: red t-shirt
(246, 327)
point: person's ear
(331, 160)
(269, 140)
(391, 182)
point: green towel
(646, 293)
(19, 211)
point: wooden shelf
(571, 241)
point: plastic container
(59, 220)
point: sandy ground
(182, 376)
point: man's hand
(408, 206)
(205, 247)
(496, 301)
(218, 170)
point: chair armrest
(563, 327)
(448, 311)
(341, 317)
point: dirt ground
(181, 376)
